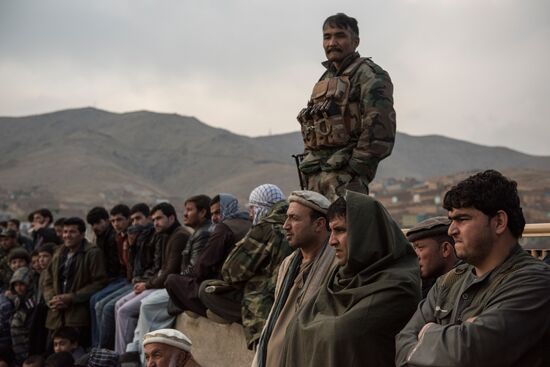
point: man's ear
(202, 213)
(320, 224)
(500, 222)
(447, 249)
(356, 42)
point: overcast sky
(476, 70)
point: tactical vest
(330, 118)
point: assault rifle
(297, 159)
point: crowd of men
(311, 282)
(325, 277)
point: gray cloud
(473, 70)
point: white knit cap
(171, 337)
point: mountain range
(77, 158)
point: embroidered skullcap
(262, 199)
(311, 199)
(171, 337)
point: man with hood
(249, 273)
(300, 274)
(171, 238)
(231, 225)
(76, 272)
(368, 297)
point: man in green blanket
(367, 298)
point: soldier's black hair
(166, 209)
(121, 209)
(75, 221)
(97, 214)
(140, 208)
(488, 192)
(343, 21)
(337, 209)
(201, 202)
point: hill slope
(86, 157)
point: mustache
(334, 48)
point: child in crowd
(45, 254)
(23, 302)
(35, 266)
(65, 339)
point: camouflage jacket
(373, 138)
(253, 266)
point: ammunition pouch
(330, 120)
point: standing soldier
(348, 125)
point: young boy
(45, 254)
(23, 302)
(65, 339)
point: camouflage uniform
(348, 127)
(253, 266)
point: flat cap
(311, 199)
(171, 337)
(431, 227)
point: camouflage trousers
(333, 184)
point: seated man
(153, 312)
(231, 226)
(368, 297)
(434, 248)
(76, 272)
(250, 271)
(141, 260)
(171, 240)
(110, 230)
(493, 310)
(300, 274)
(168, 348)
